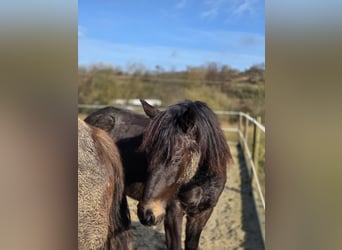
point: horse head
(170, 143)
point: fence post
(240, 128)
(256, 144)
(255, 156)
(246, 130)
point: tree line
(220, 86)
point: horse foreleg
(194, 226)
(173, 225)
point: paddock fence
(251, 139)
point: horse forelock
(159, 138)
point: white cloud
(181, 4)
(94, 51)
(81, 31)
(214, 8)
(245, 42)
(245, 7)
(211, 13)
(251, 40)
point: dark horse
(180, 159)
(103, 216)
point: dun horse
(183, 163)
(103, 216)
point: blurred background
(220, 86)
(213, 51)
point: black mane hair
(195, 120)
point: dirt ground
(232, 226)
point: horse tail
(119, 234)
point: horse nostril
(149, 217)
(146, 217)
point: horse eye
(176, 160)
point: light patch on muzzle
(157, 207)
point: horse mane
(201, 124)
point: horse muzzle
(151, 213)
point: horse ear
(187, 120)
(150, 111)
(105, 122)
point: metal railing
(251, 153)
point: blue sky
(171, 33)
